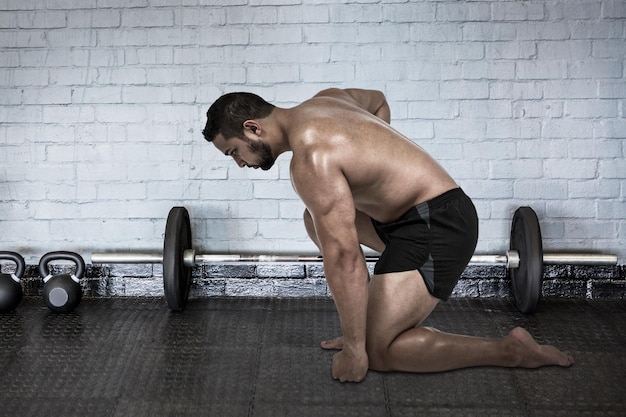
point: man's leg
(399, 302)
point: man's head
(228, 120)
(229, 113)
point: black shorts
(437, 238)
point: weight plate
(528, 277)
(176, 276)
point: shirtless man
(365, 183)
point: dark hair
(229, 112)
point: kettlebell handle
(19, 262)
(78, 260)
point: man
(364, 183)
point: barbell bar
(524, 260)
(510, 259)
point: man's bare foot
(531, 354)
(334, 344)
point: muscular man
(365, 183)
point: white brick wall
(102, 104)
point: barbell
(524, 260)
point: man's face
(252, 153)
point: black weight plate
(176, 276)
(528, 277)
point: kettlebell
(10, 284)
(62, 293)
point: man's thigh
(397, 302)
(367, 233)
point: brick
(611, 89)
(463, 170)
(466, 129)
(303, 14)
(594, 148)
(327, 73)
(318, 34)
(512, 129)
(433, 110)
(41, 20)
(169, 76)
(567, 129)
(463, 12)
(611, 209)
(22, 114)
(71, 4)
(47, 96)
(71, 38)
(122, 37)
(596, 30)
(595, 188)
(432, 32)
(515, 90)
(579, 11)
(8, 20)
(281, 229)
(488, 70)
(410, 12)
(489, 32)
(11, 96)
(464, 90)
(97, 95)
(543, 189)
(543, 31)
(347, 13)
(570, 168)
(563, 50)
(147, 18)
(612, 168)
(517, 11)
(564, 89)
(30, 77)
(93, 18)
(253, 16)
(275, 189)
(275, 35)
(117, 4)
(72, 76)
(613, 9)
(120, 114)
(122, 76)
(516, 168)
(534, 109)
(591, 108)
(595, 69)
(483, 150)
(543, 70)
(511, 50)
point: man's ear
(252, 126)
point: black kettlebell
(10, 286)
(62, 293)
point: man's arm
(373, 101)
(325, 191)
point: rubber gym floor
(260, 357)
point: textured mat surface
(260, 357)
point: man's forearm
(348, 283)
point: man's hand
(350, 367)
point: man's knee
(383, 354)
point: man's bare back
(355, 174)
(386, 172)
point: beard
(264, 152)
